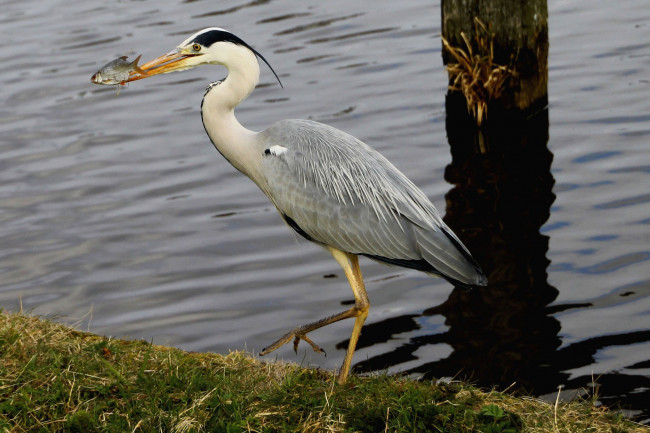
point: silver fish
(116, 72)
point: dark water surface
(117, 213)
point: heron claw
(296, 340)
(313, 345)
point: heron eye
(196, 47)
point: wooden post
(518, 33)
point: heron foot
(300, 333)
(297, 335)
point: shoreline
(56, 378)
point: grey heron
(328, 186)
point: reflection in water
(630, 391)
(504, 335)
(502, 195)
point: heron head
(213, 45)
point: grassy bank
(54, 378)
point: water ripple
(232, 9)
(315, 25)
(352, 35)
(617, 263)
(595, 156)
(624, 202)
(283, 18)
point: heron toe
(297, 335)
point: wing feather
(342, 193)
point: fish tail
(137, 68)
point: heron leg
(350, 264)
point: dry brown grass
(475, 73)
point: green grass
(54, 378)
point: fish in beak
(170, 62)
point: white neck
(229, 137)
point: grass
(475, 73)
(57, 379)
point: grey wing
(335, 190)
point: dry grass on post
(475, 74)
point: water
(116, 212)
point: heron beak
(170, 62)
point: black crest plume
(209, 37)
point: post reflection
(501, 196)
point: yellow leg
(350, 264)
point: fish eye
(196, 47)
